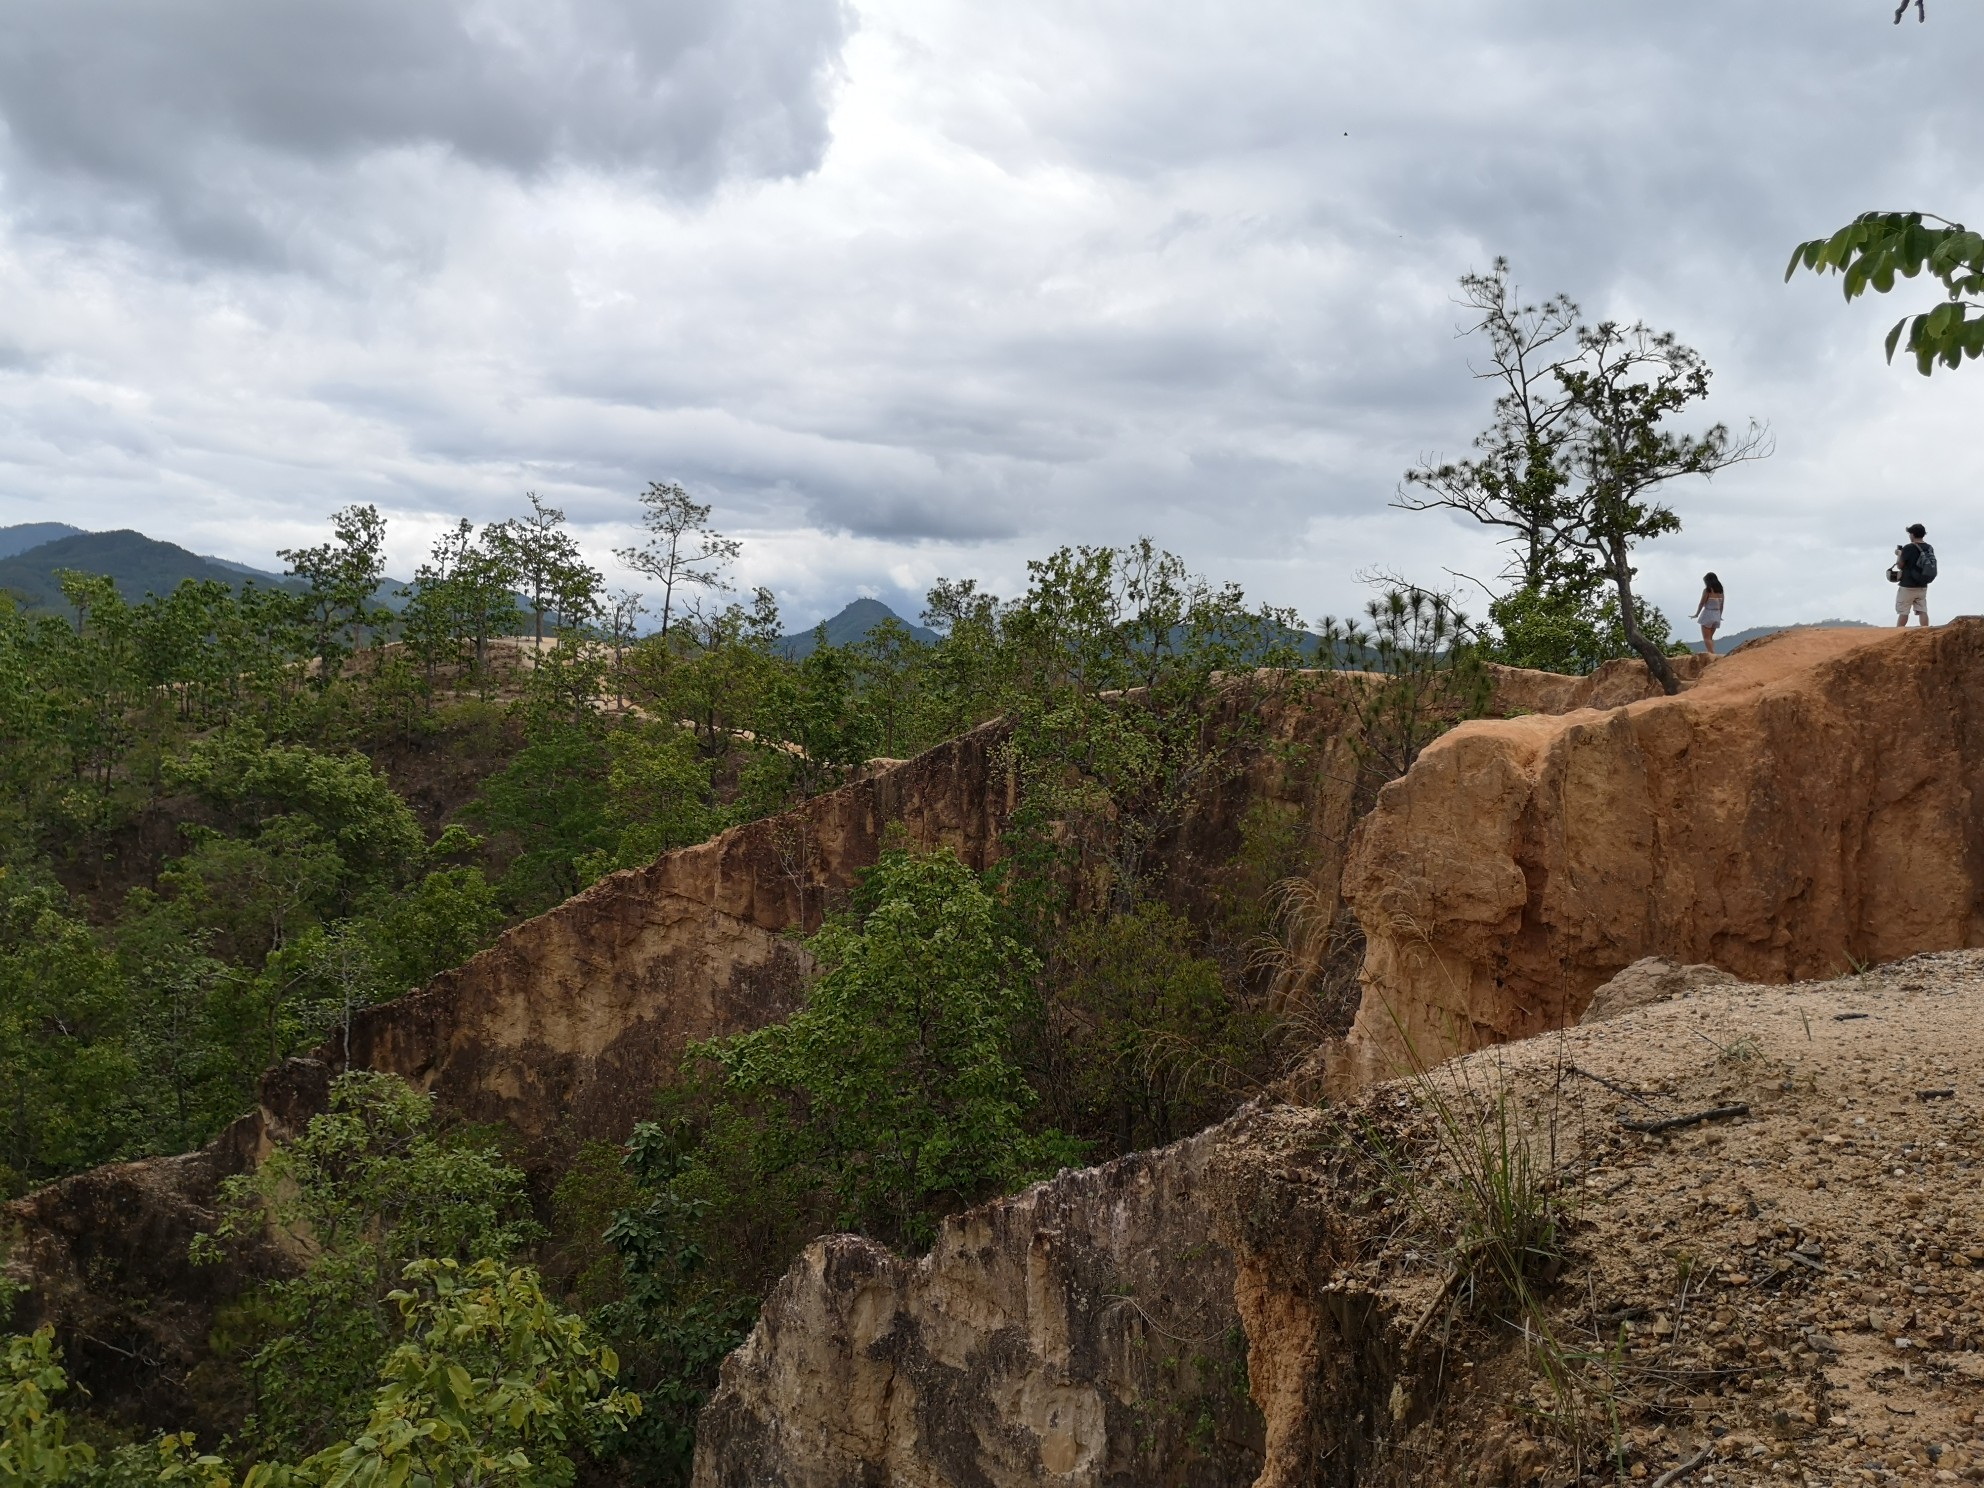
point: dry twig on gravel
(1674, 1123)
(1675, 1474)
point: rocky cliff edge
(1813, 803)
(1769, 1267)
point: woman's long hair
(1711, 583)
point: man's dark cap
(1916, 529)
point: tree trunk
(1655, 659)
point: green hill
(850, 626)
(139, 565)
(24, 535)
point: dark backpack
(1925, 564)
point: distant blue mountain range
(25, 535)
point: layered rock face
(1813, 803)
(1191, 1316)
(563, 1028)
(1083, 1332)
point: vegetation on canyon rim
(232, 818)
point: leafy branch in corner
(1876, 246)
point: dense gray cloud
(935, 286)
(231, 119)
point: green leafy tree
(1629, 382)
(35, 1450)
(1871, 250)
(343, 796)
(1558, 614)
(658, 795)
(893, 1097)
(449, 916)
(1573, 630)
(340, 579)
(965, 679)
(1127, 685)
(375, 1185)
(1567, 471)
(1143, 1042)
(899, 1071)
(706, 1233)
(1515, 482)
(491, 1386)
(553, 574)
(819, 711)
(717, 672)
(887, 663)
(462, 598)
(547, 810)
(66, 1066)
(1426, 653)
(621, 613)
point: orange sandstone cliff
(1813, 803)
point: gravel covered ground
(1791, 1293)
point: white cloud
(1045, 273)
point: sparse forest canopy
(230, 818)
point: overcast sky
(910, 288)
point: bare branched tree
(682, 550)
(1515, 482)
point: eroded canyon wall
(1813, 803)
(563, 1029)
(1185, 1318)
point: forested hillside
(233, 815)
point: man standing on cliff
(1913, 572)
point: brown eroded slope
(1812, 803)
(1795, 1292)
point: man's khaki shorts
(1912, 601)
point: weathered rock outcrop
(1187, 1316)
(1717, 1304)
(1814, 802)
(1647, 981)
(1082, 1332)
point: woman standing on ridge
(1709, 611)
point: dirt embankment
(1791, 1291)
(1813, 803)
